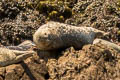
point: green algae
(55, 9)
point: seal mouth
(45, 44)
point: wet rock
(19, 19)
(92, 62)
(30, 69)
(18, 22)
(101, 14)
(19, 29)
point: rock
(32, 68)
(18, 22)
(19, 19)
(100, 14)
(93, 62)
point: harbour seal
(55, 35)
(8, 57)
(24, 46)
(107, 43)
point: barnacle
(118, 32)
(61, 18)
(118, 4)
(53, 13)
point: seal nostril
(45, 33)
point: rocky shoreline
(19, 19)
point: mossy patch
(55, 10)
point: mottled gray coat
(55, 35)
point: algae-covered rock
(93, 62)
(101, 14)
(18, 22)
(31, 69)
(55, 9)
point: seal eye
(45, 33)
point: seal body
(55, 35)
(107, 43)
(24, 46)
(8, 57)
